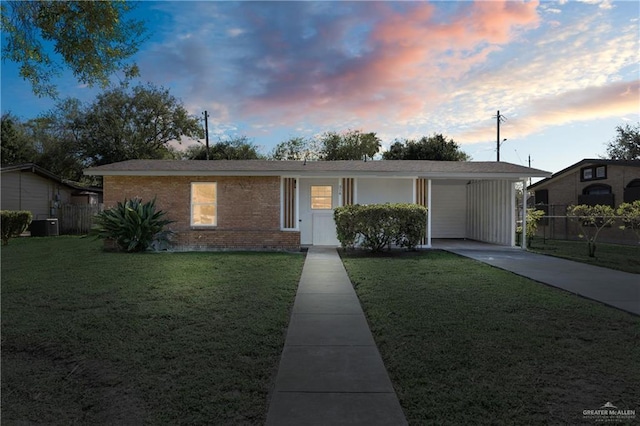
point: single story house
(30, 187)
(591, 182)
(288, 204)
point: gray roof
(388, 168)
(586, 162)
(34, 168)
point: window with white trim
(321, 197)
(204, 204)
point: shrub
(629, 213)
(533, 217)
(412, 226)
(133, 226)
(346, 226)
(13, 223)
(377, 226)
(592, 220)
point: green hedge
(14, 223)
(376, 226)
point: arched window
(632, 191)
(598, 193)
(597, 189)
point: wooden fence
(77, 218)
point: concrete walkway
(615, 288)
(331, 372)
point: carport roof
(382, 168)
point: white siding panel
(449, 210)
(380, 191)
(490, 215)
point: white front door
(318, 198)
(324, 230)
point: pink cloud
(613, 100)
(406, 53)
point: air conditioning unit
(44, 228)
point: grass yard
(465, 343)
(90, 337)
(613, 256)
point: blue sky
(565, 73)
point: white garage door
(448, 210)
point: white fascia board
(332, 174)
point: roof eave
(324, 174)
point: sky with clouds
(564, 73)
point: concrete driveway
(615, 288)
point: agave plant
(133, 225)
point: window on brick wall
(321, 197)
(204, 204)
(593, 173)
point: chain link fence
(556, 225)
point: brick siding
(564, 191)
(248, 209)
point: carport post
(524, 214)
(428, 212)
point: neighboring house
(591, 182)
(30, 187)
(288, 204)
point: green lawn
(614, 256)
(465, 343)
(90, 337)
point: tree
(57, 135)
(125, 124)
(292, 149)
(629, 213)
(93, 38)
(240, 148)
(626, 145)
(15, 144)
(591, 220)
(435, 147)
(350, 145)
(297, 149)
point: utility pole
(206, 132)
(499, 118)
